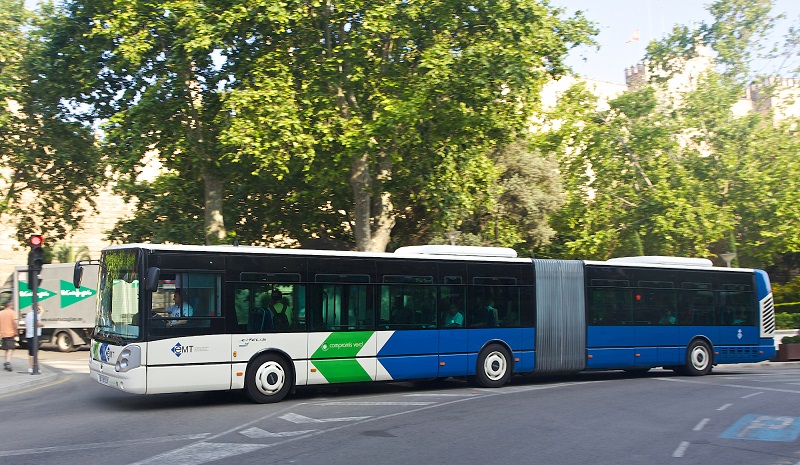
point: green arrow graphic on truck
(336, 357)
(70, 295)
(26, 295)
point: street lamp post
(452, 236)
(728, 257)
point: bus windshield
(118, 297)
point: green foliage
(787, 293)
(787, 320)
(51, 162)
(790, 340)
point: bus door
(611, 334)
(188, 346)
(342, 341)
(407, 313)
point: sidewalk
(19, 379)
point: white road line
(373, 404)
(202, 453)
(295, 418)
(258, 433)
(739, 386)
(752, 395)
(702, 424)
(442, 394)
(681, 449)
(101, 445)
(724, 407)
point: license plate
(103, 379)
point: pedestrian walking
(29, 334)
(8, 330)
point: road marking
(681, 449)
(752, 395)
(764, 428)
(443, 394)
(373, 404)
(702, 424)
(202, 453)
(176, 455)
(258, 433)
(101, 445)
(724, 407)
(63, 380)
(739, 386)
(300, 419)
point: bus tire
(494, 366)
(64, 342)
(699, 359)
(268, 379)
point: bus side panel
(408, 354)
(199, 363)
(610, 346)
(690, 332)
(342, 357)
(453, 348)
(737, 335)
(658, 345)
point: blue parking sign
(765, 428)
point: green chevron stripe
(342, 371)
(335, 358)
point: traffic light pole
(33, 280)
(35, 263)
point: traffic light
(35, 260)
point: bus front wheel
(268, 379)
(494, 366)
(699, 359)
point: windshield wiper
(108, 337)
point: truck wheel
(64, 342)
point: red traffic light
(36, 240)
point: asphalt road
(735, 416)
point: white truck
(69, 313)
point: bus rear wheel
(699, 360)
(494, 366)
(268, 379)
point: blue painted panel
(454, 365)
(527, 361)
(687, 333)
(411, 343)
(648, 357)
(610, 336)
(453, 341)
(425, 366)
(763, 287)
(610, 358)
(730, 335)
(764, 428)
(655, 336)
(512, 336)
(671, 356)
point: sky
(618, 20)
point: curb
(20, 379)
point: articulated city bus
(199, 318)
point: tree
(50, 160)
(671, 173)
(391, 107)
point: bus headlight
(129, 358)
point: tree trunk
(214, 221)
(360, 184)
